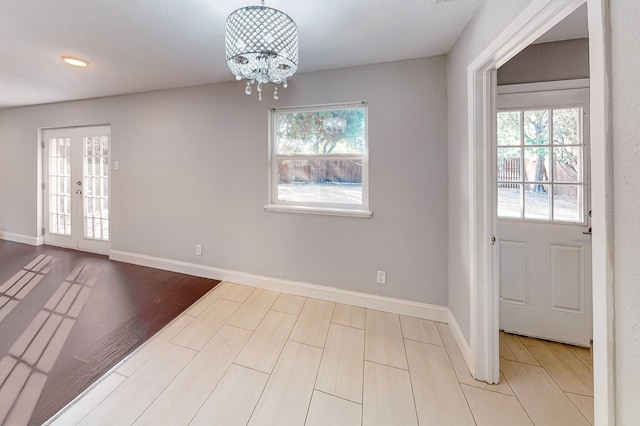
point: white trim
(20, 238)
(547, 86)
(536, 19)
(328, 211)
(604, 365)
(370, 301)
(464, 347)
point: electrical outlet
(198, 250)
(381, 277)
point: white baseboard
(20, 238)
(465, 348)
(388, 304)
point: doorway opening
(537, 18)
(76, 187)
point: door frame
(534, 21)
(42, 215)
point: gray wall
(625, 39)
(560, 60)
(193, 169)
(490, 19)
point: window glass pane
(567, 163)
(320, 181)
(509, 165)
(509, 128)
(509, 200)
(536, 127)
(536, 202)
(566, 126)
(567, 203)
(320, 132)
(536, 163)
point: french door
(77, 187)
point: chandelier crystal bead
(261, 46)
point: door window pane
(536, 202)
(536, 163)
(59, 186)
(567, 203)
(536, 127)
(509, 128)
(566, 126)
(509, 200)
(567, 163)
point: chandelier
(262, 47)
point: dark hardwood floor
(67, 317)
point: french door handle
(79, 192)
(79, 183)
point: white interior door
(77, 187)
(544, 240)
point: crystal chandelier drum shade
(261, 46)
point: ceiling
(141, 45)
(572, 27)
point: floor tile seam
(166, 386)
(195, 413)
(455, 376)
(148, 343)
(577, 408)
(549, 373)
(237, 364)
(283, 346)
(337, 396)
(578, 394)
(315, 380)
(513, 396)
(386, 365)
(426, 343)
(521, 362)
(413, 392)
(345, 325)
(472, 378)
(524, 407)
(86, 392)
(527, 349)
(322, 359)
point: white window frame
(334, 209)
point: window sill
(328, 211)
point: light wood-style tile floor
(247, 356)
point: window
(319, 160)
(540, 164)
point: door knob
(78, 192)
(79, 183)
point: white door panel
(545, 283)
(542, 182)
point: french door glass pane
(59, 186)
(96, 199)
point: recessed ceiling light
(75, 62)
